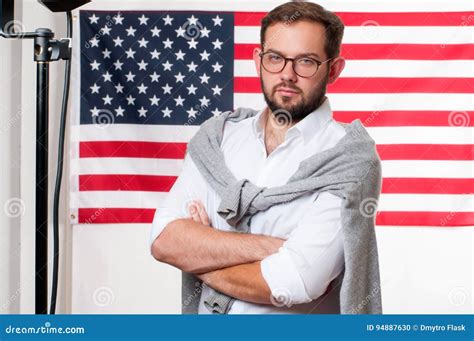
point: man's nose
(288, 74)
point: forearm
(197, 248)
(244, 282)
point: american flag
(148, 79)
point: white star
(107, 99)
(168, 19)
(119, 111)
(191, 89)
(118, 19)
(217, 20)
(154, 77)
(106, 53)
(142, 65)
(217, 44)
(130, 76)
(180, 32)
(155, 32)
(193, 20)
(107, 77)
(204, 78)
(95, 111)
(168, 43)
(105, 30)
(205, 32)
(192, 43)
(191, 112)
(118, 65)
(119, 88)
(130, 100)
(179, 101)
(154, 100)
(143, 43)
(130, 53)
(142, 89)
(142, 111)
(217, 67)
(204, 101)
(167, 89)
(94, 42)
(117, 41)
(155, 54)
(131, 31)
(192, 67)
(94, 19)
(216, 90)
(216, 112)
(204, 55)
(95, 89)
(167, 66)
(95, 65)
(167, 112)
(143, 19)
(179, 78)
(180, 55)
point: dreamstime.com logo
(46, 329)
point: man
(292, 259)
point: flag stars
(179, 101)
(106, 53)
(167, 89)
(154, 100)
(204, 78)
(155, 54)
(204, 55)
(95, 65)
(166, 112)
(168, 20)
(204, 101)
(205, 32)
(118, 65)
(119, 111)
(192, 67)
(217, 21)
(191, 89)
(107, 99)
(130, 53)
(179, 78)
(131, 100)
(142, 89)
(142, 112)
(191, 112)
(154, 77)
(216, 112)
(217, 67)
(95, 111)
(142, 65)
(193, 20)
(143, 42)
(94, 42)
(95, 89)
(180, 55)
(217, 44)
(105, 30)
(216, 90)
(168, 43)
(131, 31)
(118, 19)
(167, 66)
(107, 77)
(192, 43)
(155, 32)
(143, 20)
(130, 76)
(180, 32)
(94, 19)
(119, 88)
(117, 41)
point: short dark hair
(307, 11)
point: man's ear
(256, 59)
(336, 67)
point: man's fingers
(202, 213)
(194, 212)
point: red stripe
(162, 150)
(115, 215)
(441, 219)
(408, 118)
(139, 215)
(382, 19)
(427, 186)
(377, 85)
(426, 151)
(126, 182)
(387, 51)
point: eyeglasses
(303, 66)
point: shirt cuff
(283, 279)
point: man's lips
(288, 92)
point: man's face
(286, 90)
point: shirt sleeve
(311, 257)
(190, 185)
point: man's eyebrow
(297, 56)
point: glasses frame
(318, 63)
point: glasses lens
(305, 67)
(273, 62)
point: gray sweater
(350, 170)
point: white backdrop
(108, 268)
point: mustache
(286, 85)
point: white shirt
(312, 256)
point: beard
(306, 105)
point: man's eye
(305, 61)
(275, 58)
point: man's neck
(275, 130)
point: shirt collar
(307, 127)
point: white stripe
(427, 169)
(423, 135)
(390, 168)
(426, 202)
(267, 5)
(377, 102)
(385, 68)
(133, 132)
(139, 166)
(382, 35)
(387, 202)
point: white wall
(108, 269)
